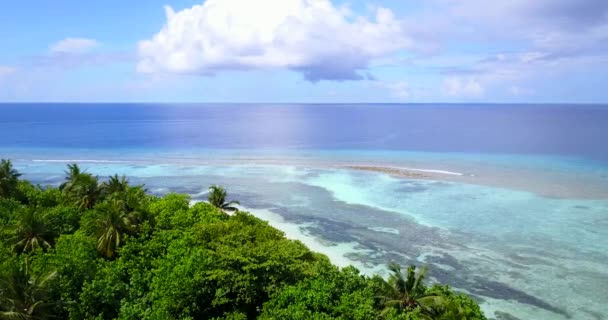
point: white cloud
(73, 46)
(560, 27)
(314, 37)
(462, 87)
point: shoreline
(550, 184)
(340, 233)
(336, 252)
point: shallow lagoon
(517, 251)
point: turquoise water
(517, 251)
(513, 206)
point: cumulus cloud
(556, 27)
(73, 46)
(518, 41)
(462, 87)
(313, 37)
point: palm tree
(134, 198)
(86, 192)
(134, 201)
(115, 184)
(32, 231)
(113, 222)
(217, 198)
(71, 176)
(408, 293)
(80, 188)
(23, 295)
(9, 177)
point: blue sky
(305, 51)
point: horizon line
(303, 103)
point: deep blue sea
(570, 130)
(512, 206)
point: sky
(396, 51)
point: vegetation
(217, 198)
(8, 178)
(24, 295)
(91, 250)
(409, 292)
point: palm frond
(12, 315)
(217, 198)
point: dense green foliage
(91, 250)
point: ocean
(508, 203)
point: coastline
(550, 183)
(366, 213)
(336, 252)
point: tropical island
(92, 249)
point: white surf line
(253, 163)
(433, 171)
(199, 194)
(391, 167)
